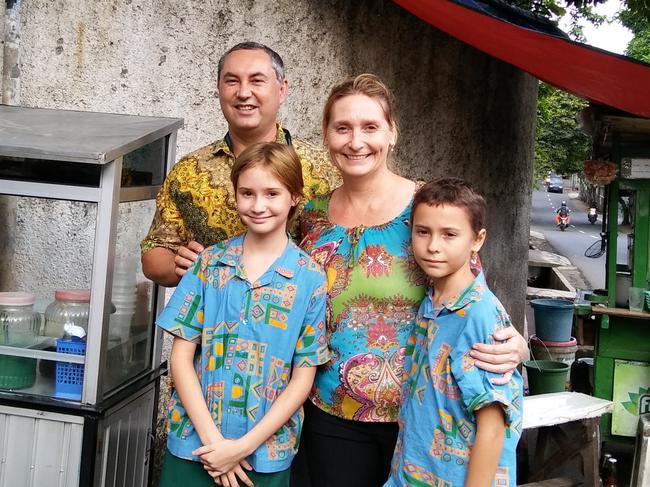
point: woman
(360, 234)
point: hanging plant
(599, 172)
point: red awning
(585, 71)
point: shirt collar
(282, 136)
(283, 265)
(470, 294)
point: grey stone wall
(2, 31)
(462, 112)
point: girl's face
(263, 202)
(443, 239)
(358, 135)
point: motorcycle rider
(561, 212)
(592, 214)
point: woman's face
(358, 135)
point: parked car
(555, 185)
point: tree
(560, 146)
(579, 9)
(639, 46)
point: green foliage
(639, 46)
(560, 146)
(638, 8)
(579, 14)
(545, 8)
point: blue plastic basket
(69, 377)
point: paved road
(573, 242)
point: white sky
(612, 37)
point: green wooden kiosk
(622, 344)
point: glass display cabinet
(79, 353)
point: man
(196, 204)
(563, 210)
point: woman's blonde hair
(364, 84)
(280, 159)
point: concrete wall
(462, 113)
(2, 31)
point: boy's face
(443, 239)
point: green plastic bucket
(17, 372)
(553, 319)
(546, 376)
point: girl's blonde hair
(364, 84)
(280, 159)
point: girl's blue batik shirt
(444, 388)
(250, 336)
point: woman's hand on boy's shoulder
(502, 357)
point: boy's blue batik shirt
(249, 337)
(444, 388)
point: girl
(248, 326)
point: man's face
(249, 91)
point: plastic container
(545, 376)
(553, 319)
(125, 299)
(582, 375)
(636, 299)
(623, 283)
(69, 306)
(19, 326)
(564, 352)
(598, 296)
(69, 376)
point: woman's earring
(474, 257)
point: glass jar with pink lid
(70, 307)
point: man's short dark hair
(276, 61)
(453, 192)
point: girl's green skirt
(178, 472)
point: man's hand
(186, 256)
(222, 456)
(166, 267)
(501, 358)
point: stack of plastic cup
(124, 298)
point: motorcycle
(562, 221)
(592, 216)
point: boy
(456, 427)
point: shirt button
(244, 322)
